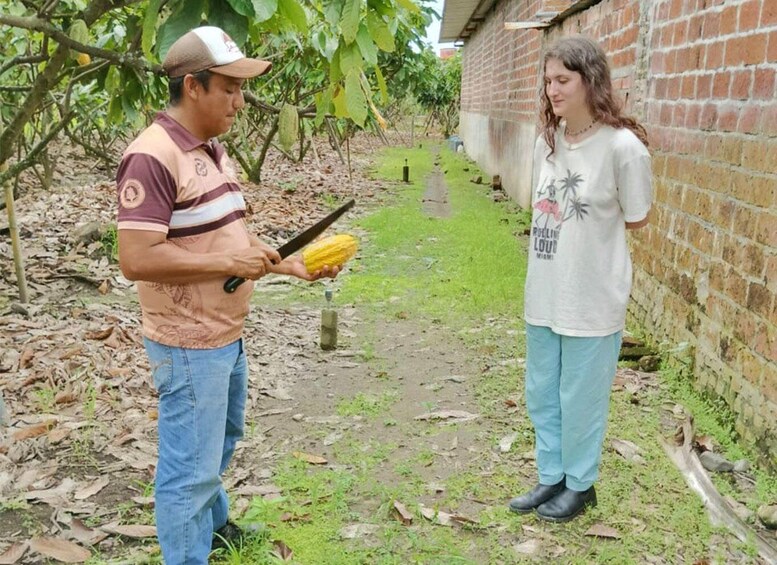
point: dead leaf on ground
(703, 443)
(309, 458)
(291, 517)
(358, 531)
(602, 531)
(84, 534)
(459, 415)
(13, 553)
(61, 550)
(130, 530)
(510, 403)
(282, 551)
(34, 430)
(529, 547)
(100, 334)
(402, 514)
(507, 442)
(91, 489)
(57, 435)
(630, 451)
(25, 359)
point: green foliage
(326, 58)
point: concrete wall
(701, 75)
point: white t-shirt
(579, 275)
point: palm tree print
(578, 209)
(567, 190)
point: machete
(297, 242)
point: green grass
(471, 260)
(366, 404)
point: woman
(592, 182)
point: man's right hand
(254, 262)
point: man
(181, 235)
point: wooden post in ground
(18, 260)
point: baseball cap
(210, 48)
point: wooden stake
(18, 259)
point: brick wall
(700, 74)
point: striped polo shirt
(169, 181)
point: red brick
(714, 55)
(760, 300)
(703, 86)
(695, 27)
(676, 9)
(749, 119)
(745, 220)
(766, 231)
(721, 84)
(736, 288)
(771, 52)
(760, 155)
(692, 114)
(688, 87)
(768, 14)
(770, 272)
(746, 50)
(762, 193)
(764, 83)
(748, 15)
(711, 26)
(680, 33)
(728, 118)
(709, 116)
(753, 260)
(728, 20)
(769, 120)
(740, 84)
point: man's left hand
(295, 266)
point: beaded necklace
(580, 131)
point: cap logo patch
(132, 194)
(230, 45)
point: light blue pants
(202, 397)
(568, 382)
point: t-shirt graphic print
(557, 201)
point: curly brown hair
(583, 55)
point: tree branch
(29, 159)
(22, 60)
(36, 24)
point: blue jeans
(202, 397)
(568, 382)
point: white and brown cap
(210, 48)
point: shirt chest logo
(200, 167)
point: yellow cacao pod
(83, 59)
(334, 250)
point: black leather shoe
(566, 505)
(230, 534)
(532, 499)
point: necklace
(580, 131)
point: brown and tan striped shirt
(171, 182)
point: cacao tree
(90, 69)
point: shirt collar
(179, 134)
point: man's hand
(272, 254)
(295, 266)
(255, 262)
